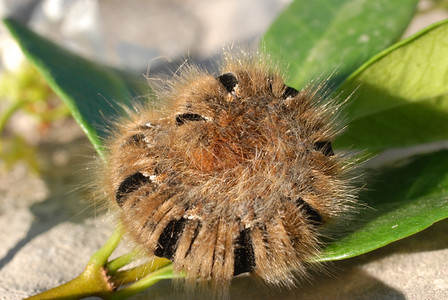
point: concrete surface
(51, 225)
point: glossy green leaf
(95, 94)
(401, 95)
(317, 38)
(403, 199)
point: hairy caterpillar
(233, 173)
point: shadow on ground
(65, 192)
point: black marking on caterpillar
(167, 243)
(290, 92)
(182, 118)
(129, 185)
(313, 215)
(244, 253)
(324, 147)
(229, 81)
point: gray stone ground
(51, 225)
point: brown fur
(236, 171)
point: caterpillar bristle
(232, 173)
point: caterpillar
(232, 173)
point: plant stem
(98, 280)
(114, 265)
(93, 281)
(103, 254)
(142, 284)
(134, 274)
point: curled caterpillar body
(235, 174)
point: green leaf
(401, 95)
(95, 94)
(317, 38)
(404, 199)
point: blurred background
(51, 224)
